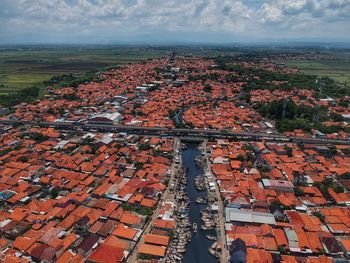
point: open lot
(24, 67)
(335, 65)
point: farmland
(335, 64)
(25, 67)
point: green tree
(138, 166)
(23, 159)
(207, 88)
(240, 157)
(298, 191)
(289, 151)
(336, 117)
(54, 192)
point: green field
(25, 67)
(335, 65)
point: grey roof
(292, 238)
(234, 214)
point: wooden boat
(177, 257)
(213, 252)
(203, 227)
(173, 259)
(183, 250)
(195, 228)
(211, 237)
(214, 245)
(200, 200)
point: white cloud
(231, 18)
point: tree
(246, 96)
(282, 249)
(240, 157)
(289, 151)
(51, 111)
(319, 215)
(207, 88)
(344, 103)
(345, 176)
(71, 96)
(333, 150)
(61, 110)
(144, 147)
(298, 191)
(327, 181)
(338, 188)
(336, 117)
(250, 156)
(23, 159)
(138, 166)
(54, 193)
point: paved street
(221, 234)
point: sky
(173, 21)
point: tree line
(289, 116)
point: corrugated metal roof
(234, 214)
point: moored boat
(194, 227)
(213, 252)
(211, 237)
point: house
(331, 246)
(87, 244)
(43, 253)
(152, 250)
(278, 185)
(106, 254)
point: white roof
(107, 139)
(90, 135)
(61, 144)
(215, 207)
(5, 222)
(266, 182)
(118, 198)
(235, 214)
(111, 116)
(292, 238)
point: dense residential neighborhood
(86, 194)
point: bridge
(178, 132)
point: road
(176, 132)
(133, 256)
(222, 234)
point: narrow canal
(197, 249)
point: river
(197, 249)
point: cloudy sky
(165, 21)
